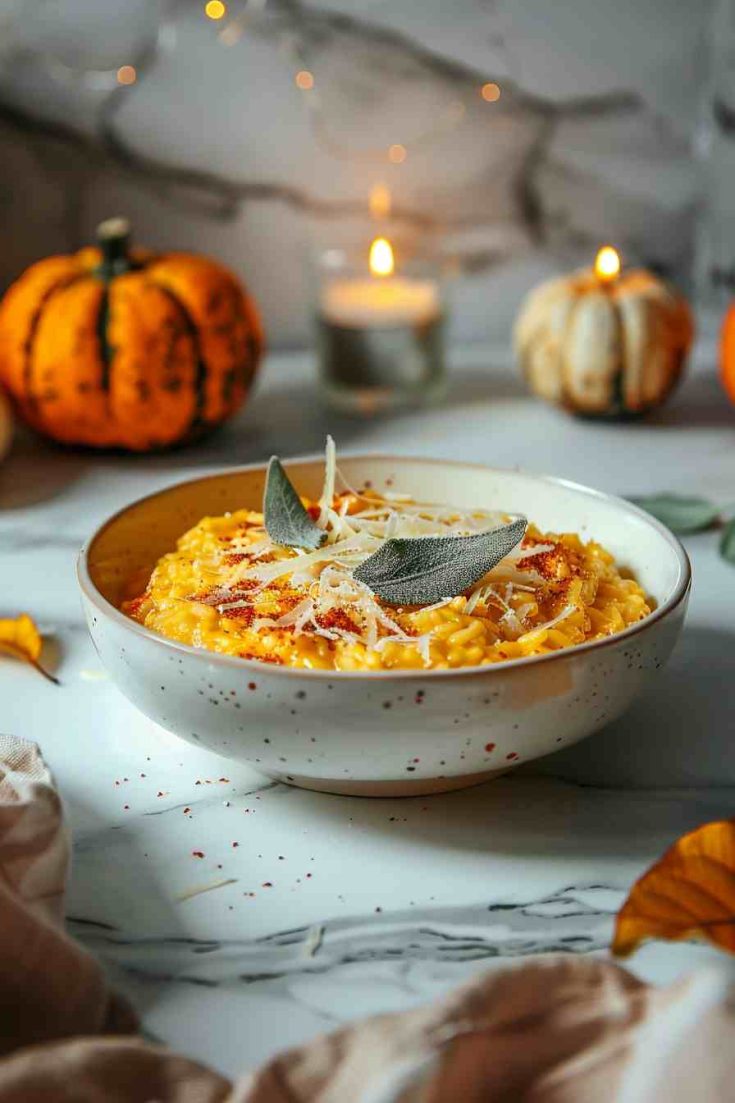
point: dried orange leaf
(689, 892)
(20, 637)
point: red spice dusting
(512, 754)
(416, 759)
(160, 793)
(252, 685)
(267, 885)
(489, 747)
(187, 810)
(197, 853)
(234, 558)
(314, 512)
(235, 844)
(336, 618)
(554, 565)
(132, 608)
(244, 613)
(225, 779)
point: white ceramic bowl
(397, 732)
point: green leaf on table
(727, 542)
(679, 513)
(286, 520)
(427, 569)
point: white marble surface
(337, 907)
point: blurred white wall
(215, 148)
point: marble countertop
(307, 910)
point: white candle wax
(371, 303)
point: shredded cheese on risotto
(228, 587)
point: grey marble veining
(577, 919)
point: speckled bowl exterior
(398, 732)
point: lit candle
(604, 341)
(381, 298)
(379, 331)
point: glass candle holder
(379, 330)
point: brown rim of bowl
(678, 594)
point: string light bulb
(397, 153)
(215, 9)
(126, 74)
(304, 80)
(490, 92)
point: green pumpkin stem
(113, 238)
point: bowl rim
(678, 594)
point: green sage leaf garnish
(680, 514)
(427, 569)
(286, 520)
(727, 542)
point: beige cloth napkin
(557, 1029)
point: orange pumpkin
(727, 353)
(116, 347)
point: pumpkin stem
(113, 237)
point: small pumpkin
(115, 347)
(604, 343)
(727, 352)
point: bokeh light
(490, 92)
(215, 9)
(126, 74)
(304, 80)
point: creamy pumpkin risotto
(229, 587)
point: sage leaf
(679, 513)
(727, 542)
(427, 569)
(286, 520)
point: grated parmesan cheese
(337, 605)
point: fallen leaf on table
(20, 637)
(679, 513)
(689, 891)
(727, 542)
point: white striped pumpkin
(612, 349)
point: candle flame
(607, 264)
(381, 257)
